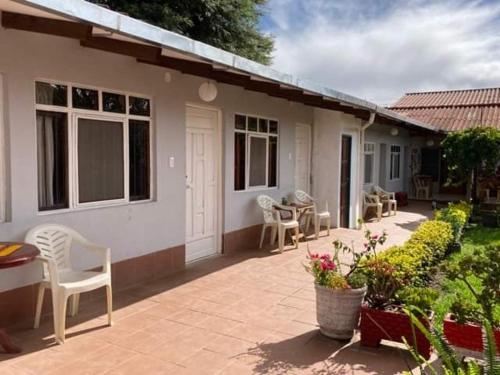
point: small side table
(25, 254)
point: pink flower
(325, 257)
(314, 256)
(375, 237)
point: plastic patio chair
(387, 197)
(372, 201)
(273, 220)
(317, 216)
(55, 242)
(420, 187)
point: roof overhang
(100, 28)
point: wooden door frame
(309, 154)
(354, 191)
(219, 156)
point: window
(395, 162)
(255, 153)
(95, 151)
(369, 149)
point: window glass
(273, 127)
(139, 160)
(257, 167)
(240, 122)
(252, 124)
(85, 98)
(112, 102)
(395, 162)
(262, 125)
(139, 106)
(52, 160)
(368, 168)
(239, 160)
(51, 94)
(100, 160)
(273, 162)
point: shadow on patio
(252, 312)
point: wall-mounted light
(430, 142)
(394, 131)
(207, 91)
(167, 77)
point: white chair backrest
(303, 197)
(54, 242)
(266, 203)
(419, 182)
(368, 199)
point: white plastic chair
(387, 197)
(318, 216)
(272, 219)
(55, 242)
(372, 201)
(420, 187)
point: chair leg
(379, 212)
(74, 303)
(274, 233)
(308, 223)
(297, 234)
(61, 318)
(39, 304)
(262, 236)
(281, 239)
(109, 301)
(328, 225)
(317, 225)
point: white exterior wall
(380, 134)
(141, 228)
(329, 126)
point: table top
(27, 253)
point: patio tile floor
(248, 313)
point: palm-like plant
(452, 364)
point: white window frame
(391, 169)
(370, 152)
(3, 174)
(73, 114)
(256, 134)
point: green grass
(474, 238)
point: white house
(103, 128)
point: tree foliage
(471, 151)
(228, 24)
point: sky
(380, 49)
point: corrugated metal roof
(452, 110)
(115, 22)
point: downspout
(361, 173)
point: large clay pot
(337, 311)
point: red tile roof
(452, 110)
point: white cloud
(378, 50)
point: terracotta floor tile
(206, 362)
(145, 365)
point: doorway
(345, 181)
(302, 157)
(202, 182)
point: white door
(302, 156)
(202, 166)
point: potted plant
(480, 273)
(382, 316)
(340, 288)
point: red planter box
(467, 336)
(395, 326)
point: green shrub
(422, 298)
(411, 261)
(436, 235)
(457, 215)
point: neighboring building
(447, 111)
(102, 129)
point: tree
(471, 152)
(231, 25)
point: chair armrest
(104, 252)
(52, 268)
(392, 195)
